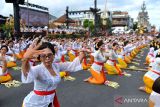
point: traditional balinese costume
(150, 56)
(5, 76)
(96, 70)
(126, 58)
(120, 59)
(11, 54)
(17, 51)
(74, 51)
(155, 95)
(151, 76)
(57, 59)
(23, 47)
(111, 65)
(45, 84)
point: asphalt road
(82, 94)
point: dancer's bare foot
(126, 74)
(85, 80)
(142, 89)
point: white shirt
(98, 57)
(44, 81)
(58, 56)
(113, 56)
(8, 58)
(155, 98)
(153, 75)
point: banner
(34, 17)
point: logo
(126, 101)
(119, 100)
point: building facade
(121, 19)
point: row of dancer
(151, 78)
(46, 75)
(126, 49)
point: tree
(135, 26)
(85, 23)
(109, 24)
(88, 24)
(91, 26)
(2, 26)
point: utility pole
(67, 17)
(95, 11)
(16, 18)
(95, 16)
(16, 14)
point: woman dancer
(4, 75)
(96, 70)
(111, 65)
(154, 99)
(45, 76)
(151, 76)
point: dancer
(4, 75)
(150, 56)
(11, 53)
(97, 70)
(154, 99)
(45, 75)
(58, 59)
(75, 50)
(151, 76)
(111, 65)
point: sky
(57, 7)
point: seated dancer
(150, 56)
(58, 59)
(134, 51)
(23, 46)
(128, 50)
(4, 75)
(17, 48)
(11, 53)
(86, 64)
(125, 49)
(120, 59)
(75, 50)
(63, 47)
(154, 99)
(111, 65)
(45, 76)
(151, 76)
(96, 70)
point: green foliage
(88, 24)
(3, 27)
(109, 24)
(91, 26)
(135, 26)
(85, 23)
(65, 36)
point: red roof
(63, 19)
